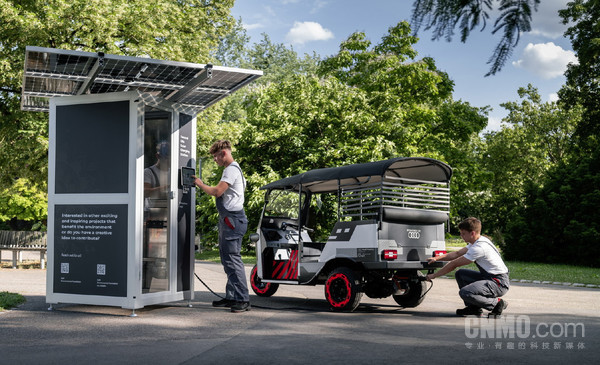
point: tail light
(389, 254)
(439, 253)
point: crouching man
(478, 289)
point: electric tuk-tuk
(363, 228)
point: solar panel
(53, 72)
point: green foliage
(582, 87)
(23, 201)
(443, 16)
(164, 29)
(369, 103)
(277, 61)
(412, 103)
(274, 59)
(536, 137)
(560, 221)
(9, 300)
(303, 123)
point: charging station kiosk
(122, 142)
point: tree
(232, 51)
(560, 220)
(443, 16)
(228, 118)
(22, 204)
(582, 87)
(411, 99)
(369, 103)
(536, 138)
(182, 30)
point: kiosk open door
(122, 142)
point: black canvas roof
(328, 179)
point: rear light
(389, 254)
(439, 253)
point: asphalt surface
(543, 324)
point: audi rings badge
(414, 234)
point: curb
(538, 282)
(576, 285)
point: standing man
(232, 225)
(478, 289)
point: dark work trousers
(232, 227)
(481, 289)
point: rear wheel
(258, 287)
(342, 290)
(414, 295)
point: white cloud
(253, 26)
(553, 97)
(494, 124)
(546, 60)
(303, 32)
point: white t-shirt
(233, 197)
(484, 252)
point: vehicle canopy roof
(330, 179)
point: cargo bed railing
(369, 201)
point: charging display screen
(187, 174)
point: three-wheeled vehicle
(388, 217)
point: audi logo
(414, 234)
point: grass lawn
(249, 258)
(554, 272)
(9, 300)
(538, 271)
(518, 270)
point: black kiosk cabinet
(122, 142)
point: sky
(320, 26)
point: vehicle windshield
(284, 203)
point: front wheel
(342, 290)
(258, 287)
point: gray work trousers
(230, 247)
(479, 289)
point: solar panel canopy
(53, 72)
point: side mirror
(254, 237)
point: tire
(415, 294)
(258, 287)
(342, 290)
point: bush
(560, 222)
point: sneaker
(499, 308)
(240, 307)
(223, 303)
(469, 311)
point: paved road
(543, 325)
